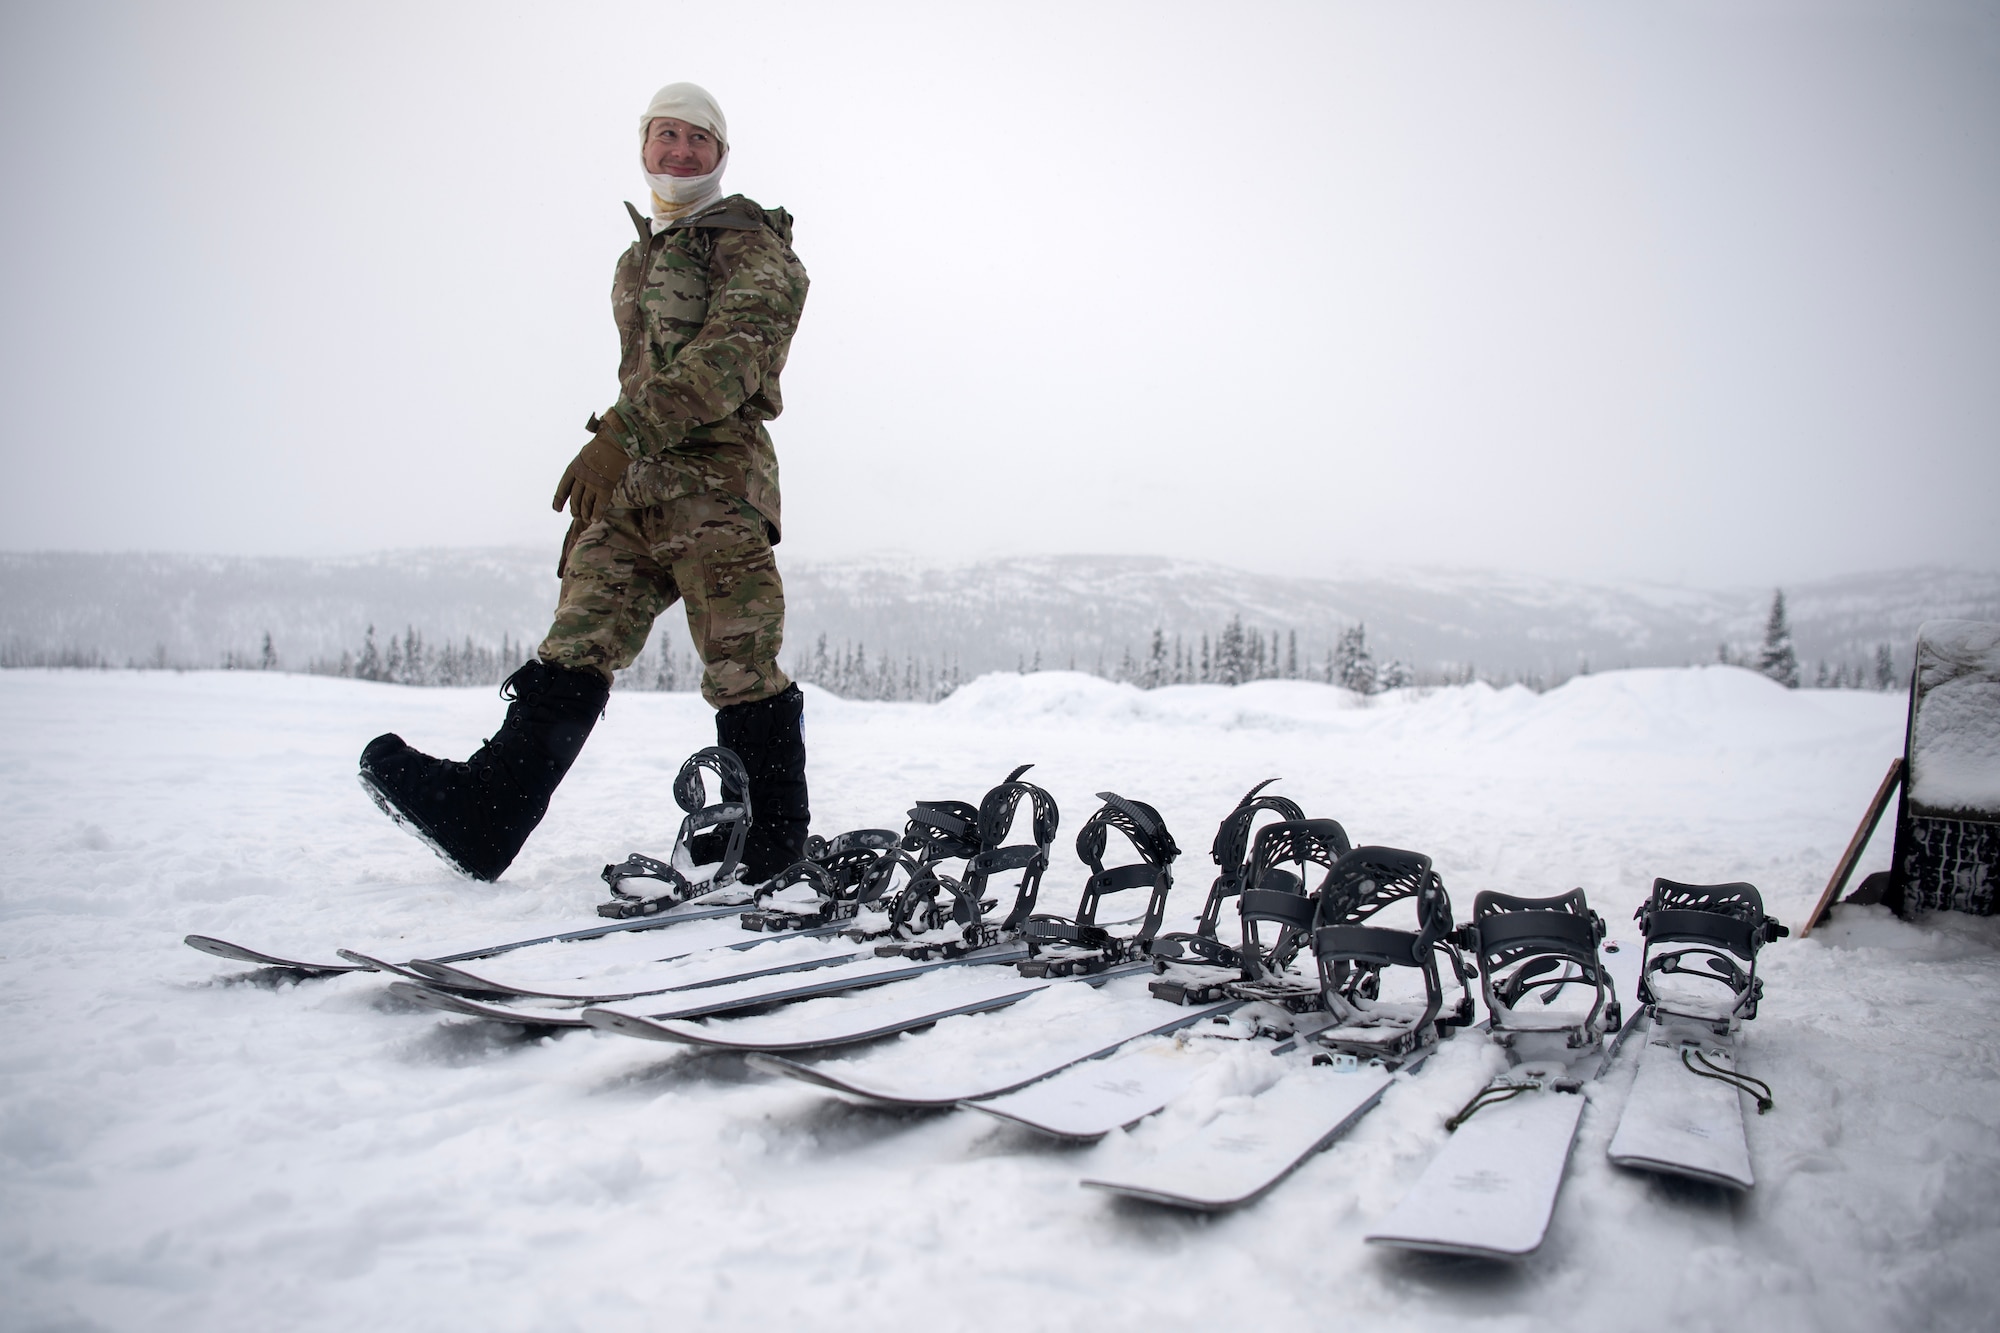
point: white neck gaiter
(677, 197)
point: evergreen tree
(1777, 660)
(1355, 664)
(268, 661)
(1229, 661)
(1885, 667)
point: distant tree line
(1778, 659)
(415, 660)
(1234, 654)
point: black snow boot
(477, 814)
(769, 737)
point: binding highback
(1524, 945)
(1721, 927)
(1275, 905)
(1231, 851)
(941, 831)
(1351, 951)
(1142, 827)
(997, 856)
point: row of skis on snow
(1348, 965)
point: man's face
(676, 148)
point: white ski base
(1085, 1041)
(1681, 1124)
(836, 1020)
(1236, 1158)
(1492, 1190)
(1090, 1100)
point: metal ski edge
(1325, 1140)
(808, 1073)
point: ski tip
(236, 953)
(1163, 1199)
(363, 961)
(1452, 1249)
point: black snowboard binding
(1352, 952)
(714, 832)
(1198, 958)
(1079, 946)
(477, 814)
(844, 876)
(1535, 949)
(994, 855)
(1721, 927)
(1274, 910)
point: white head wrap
(679, 196)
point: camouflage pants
(713, 551)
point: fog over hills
(1087, 611)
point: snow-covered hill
(183, 1147)
(988, 615)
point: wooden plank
(1848, 859)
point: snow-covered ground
(185, 1148)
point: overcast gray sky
(1694, 292)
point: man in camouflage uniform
(675, 498)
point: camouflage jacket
(706, 311)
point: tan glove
(587, 482)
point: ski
(1087, 1100)
(837, 1019)
(1362, 1040)
(1239, 1157)
(1684, 1116)
(717, 963)
(1130, 1014)
(243, 953)
(1679, 1124)
(596, 929)
(1493, 1188)
(530, 1015)
(700, 999)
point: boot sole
(411, 825)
